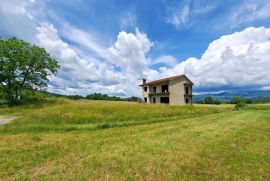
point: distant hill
(226, 96)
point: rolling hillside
(101, 140)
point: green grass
(183, 143)
(67, 115)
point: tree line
(99, 96)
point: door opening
(165, 100)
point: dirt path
(6, 120)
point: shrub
(240, 104)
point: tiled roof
(165, 80)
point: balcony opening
(165, 88)
(165, 100)
(145, 89)
(187, 92)
(154, 89)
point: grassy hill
(67, 140)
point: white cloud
(87, 65)
(184, 14)
(76, 73)
(128, 52)
(165, 59)
(17, 6)
(179, 16)
(240, 59)
(85, 40)
(204, 9)
(249, 11)
(128, 20)
(16, 19)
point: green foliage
(249, 101)
(99, 96)
(75, 97)
(239, 102)
(261, 100)
(133, 99)
(235, 100)
(210, 100)
(240, 105)
(30, 95)
(23, 66)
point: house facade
(175, 90)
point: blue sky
(108, 46)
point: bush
(240, 105)
(239, 102)
(29, 95)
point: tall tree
(23, 66)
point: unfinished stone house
(175, 90)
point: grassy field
(99, 140)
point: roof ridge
(165, 79)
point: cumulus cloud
(128, 52)
(129, 55)
(76, 73)
(86, 65)
(238, 60)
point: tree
(239, 102)
(23, 66)
(209, 100)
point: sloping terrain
(219, 144)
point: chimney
(143, 81)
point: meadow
(102, 140)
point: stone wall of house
(177, 91)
